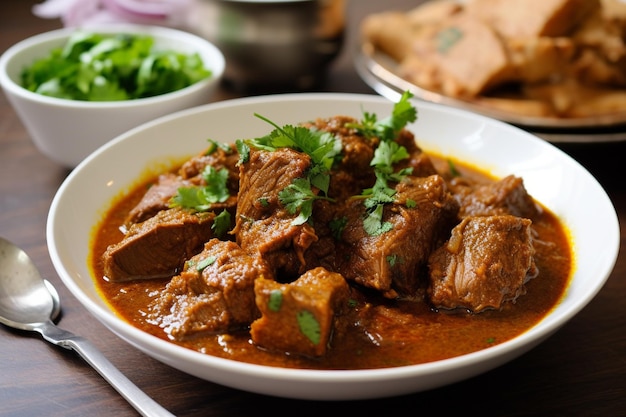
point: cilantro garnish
(201, 198)
(101, 67)
(453, 170)
(309, 326)
(387, 129)
(215, 145)
(382, 193)
(275, 300)
(221, 223)
(388, 153)
(322, 147)
(204, 263)
(337, 226)
(298, 197)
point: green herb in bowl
(105, 67)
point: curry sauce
(382, 332)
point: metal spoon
(29, 302)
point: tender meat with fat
(505, 196)
(263, 225)
(214, 293)
(299, 317)
(158, 247)
(391, 262)
(486, 263)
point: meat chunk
(421, 216)
(486, 263)
(299, 317)
(263, 225)
(158, 247)
(217, 156)
(190, 174)
(156, 198)
(214, 293)
(505, 196)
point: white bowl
(68, 130)
(551, 176)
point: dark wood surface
(579, 371)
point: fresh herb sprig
(200, 198)
(386, 155)
(387, 129)
(323, 149)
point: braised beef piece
(299, 317)
(217, 157)
(156, 198)
(486, 263)
(214, 292)
(263, 225)
(418, 160)
(158, 195)
(352, 172)
(158, 247)
(392, 262)
(505, 196)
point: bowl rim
(498, 354)
(217, 65)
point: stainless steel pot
(273, 44)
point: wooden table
(579, 371)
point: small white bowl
(66, 130)
(552, 177)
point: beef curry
(335, 244)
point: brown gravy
(398, 333)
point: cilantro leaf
(309, 326)
(322, 147)
(275, 301)
(387, 129)
(103, 67)
(373, 223)
(201, 198)
(222, 223)
(298, 197)
(386, 155)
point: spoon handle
(145, 405)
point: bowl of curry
(332, 246)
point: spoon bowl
(25, 299)
(29, 302)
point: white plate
(551, 176)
